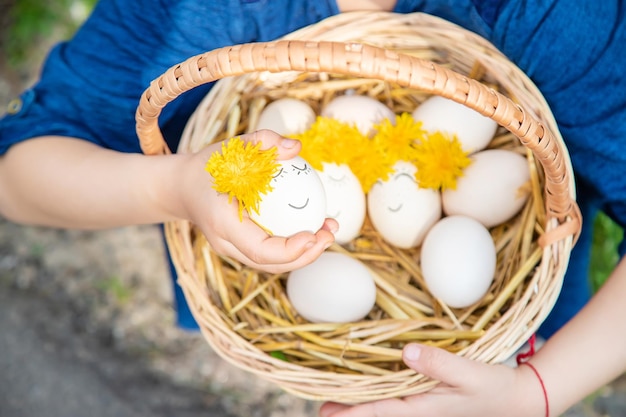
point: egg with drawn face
(345, 200)
(296, 203)
(400, 210)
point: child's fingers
(441, 365)
(248, 243)
(328, 409)
(292, 254)
(287, 148)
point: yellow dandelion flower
(332, 141)
(329, 140)
(397, 139)
(243, 171)
(370, 164)
(392, 142)
(440, 161)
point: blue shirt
(90, 86)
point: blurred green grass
(27, 23)
(607, 236)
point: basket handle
(365, 61)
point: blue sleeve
(90, 86)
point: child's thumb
(438, 364)
(286, 148)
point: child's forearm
(71, 183)
(590, 350)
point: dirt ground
(87, 328)
(97, 306)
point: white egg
(472, 129)
(334, 288)
(400, 210)
(345, 200)
(458, 261)
(297, 202)
(493, 187)
(362, 111)
(286, 116)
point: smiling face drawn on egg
(286, 173)
(400, 210)
(296, 203)
(345, 200)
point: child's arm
(590, 351)
(72, 183)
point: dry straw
(400, 60)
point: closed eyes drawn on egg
(304, 170)
(404, 174)
(398, 176)
(279, 174)
(282, 172)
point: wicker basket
(401, 60)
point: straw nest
(245, 314)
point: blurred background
(86, 323)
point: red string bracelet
(522, 359)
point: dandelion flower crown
(329, 140)
(244, 171)
(439, 159)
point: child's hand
(244, 240)
(467, 389)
